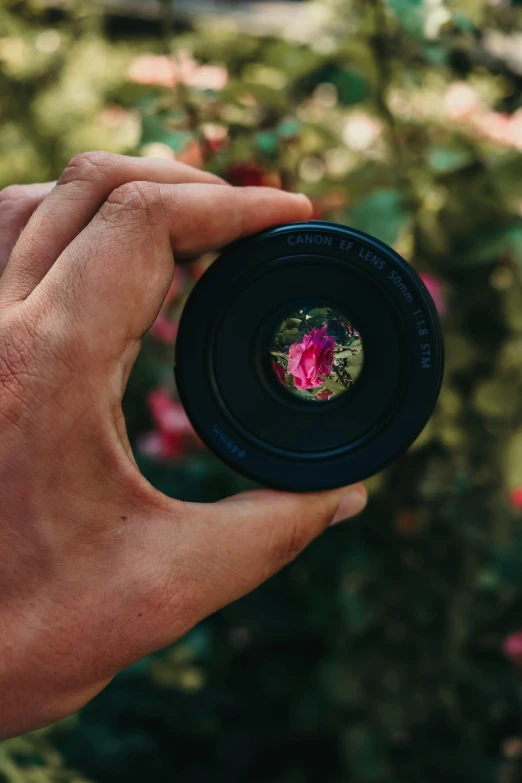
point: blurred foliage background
(391, 651)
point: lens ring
(274, 423)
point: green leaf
(366, 754)
(289, 128)
(493, 398)
(487, 247)
(463, 22)
(154, 130)
(317, 312)
(267, 143)
(513, 460)
(410, 14)
(292, 323)
(505, 561)
(351, 86)
(290, 336)
(382, 213)
(446, 160)
(354, 363)
(348, 351)
(333, 386)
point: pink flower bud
(513, 647)
(436, 289)
(164, 329)
(168, 414)
(515, 497)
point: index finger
(114, 276)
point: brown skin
(97, 568)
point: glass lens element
(316, 353)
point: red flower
(310, 358)
(436, 290)
(513, 647)
(216, 136)
(249, 174)
(164, 329)
(168, 414)
(279, 372)
(244, 174)
(173, 432)
(516, 498)
(324, 395)
(162, 445)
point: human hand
(97, 568)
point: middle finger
(85, 184)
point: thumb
(196, 558)
(247, 538)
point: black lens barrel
(231, 394)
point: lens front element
(316, 353)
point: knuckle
(87, 167)
(14, 199)
(136, 199)
(13, 193)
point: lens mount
(231, 375)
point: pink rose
(310, 358)
(436, 289)
(513, 647)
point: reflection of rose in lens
(317, 353)
(312, 359)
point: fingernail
(302, 199)
(352, 502)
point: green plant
(378, 655)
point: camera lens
(316, 353)
(309, 356)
